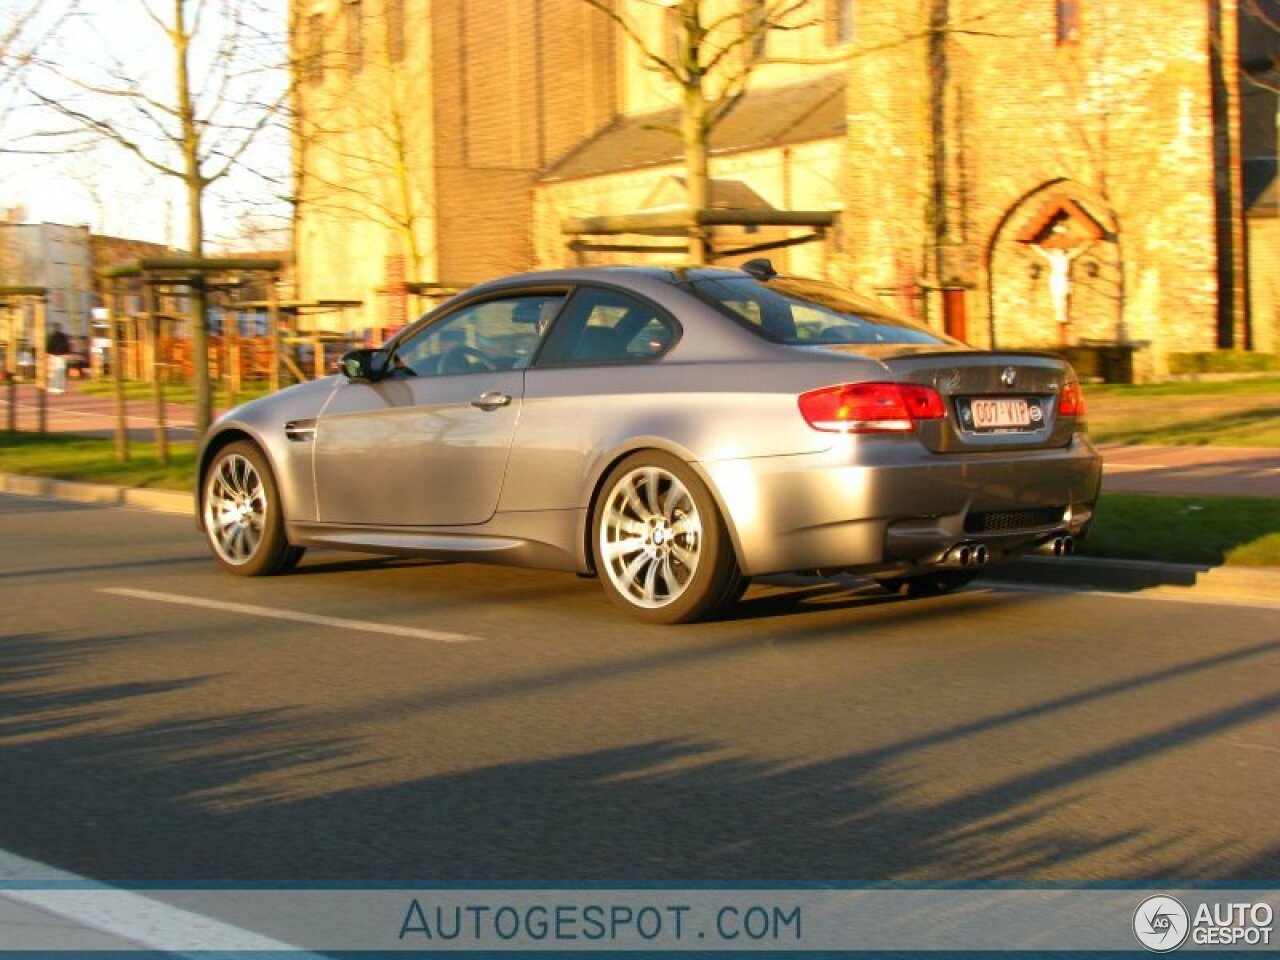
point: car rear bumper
(885, 504)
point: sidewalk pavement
(93, 416)
(1191, 471)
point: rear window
(810, 312)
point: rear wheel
(243, 519)
(928, 584)
(661, 548)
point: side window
(500, 334)
(604, 327)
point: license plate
(1005, 413)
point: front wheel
(661, 547)
(242, 516)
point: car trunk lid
(995, 400)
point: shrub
(1222, 361)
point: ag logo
(1161, 924)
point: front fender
(262, 422)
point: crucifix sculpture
(1060, 233)
(1059, 260)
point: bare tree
(195, 125)
(717, 47)
(356, 146)
(711, 49)
(26, 27)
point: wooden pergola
(297, 309)
(13, 300)
(425, 293)
(684, 222)
(196, 276)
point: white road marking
(121, 914)
(1148, 593)
(297, 616)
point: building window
(839, 22)
(395, 30)
(355, 36)
(313, 67)
(1069, 21)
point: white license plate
(1003, 414)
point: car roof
(638, 277)
(671, 275)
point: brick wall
(1122, 120)
(525, 83)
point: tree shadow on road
(116, 782)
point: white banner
(732, 919)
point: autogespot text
(487, 924)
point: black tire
(929, 584)
(661, 548)
(292, 557)
(242, 516)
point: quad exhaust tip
(1059, 546)
(968, 555)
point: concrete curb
(163, 501)
(1115, 575)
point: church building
(1020, 173)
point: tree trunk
(695, 130)
(42, 364)
(698, 180)
(195, 223)
(117, 377)
(155, 330)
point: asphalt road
(508, 724)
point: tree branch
(651, 57)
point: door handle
(491, 400)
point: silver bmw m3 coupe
(673, 432)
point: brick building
(421, 126)
(1115, 127)
(1024, 173)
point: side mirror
(363, 365)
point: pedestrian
(57, 346)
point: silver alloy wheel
(235, 509)
(650, 537)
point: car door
(594, 377)
(428, 444)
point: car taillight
(871, 407)
(1071, 403)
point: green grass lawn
(93, 460)
(1232, 413)
(173, 392)
(1237, 531)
